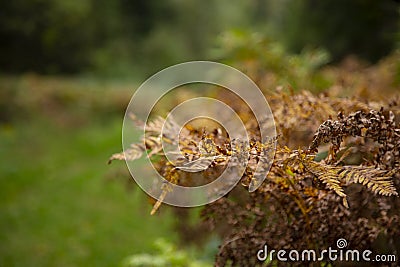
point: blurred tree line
(140, 37)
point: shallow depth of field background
(68, 70)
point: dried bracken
(379, 126)
(313, 194)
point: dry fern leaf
(134, 152)
(378, 181)
(155, 126)
(327, 174)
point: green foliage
(46, 36)
(111, 38)
(365, 28)
(166, 255)
(136, 38)
(258, 55)
(61, 205)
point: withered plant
(342, 183)
(335, 172)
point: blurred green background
(67, 72)
(136, 38)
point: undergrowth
(334, 174)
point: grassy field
(60, 203)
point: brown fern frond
(155, 125)
(379, 126)
(134, 152)
(335, 177)
(378, 181)
(327, 174)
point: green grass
(62, 205)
